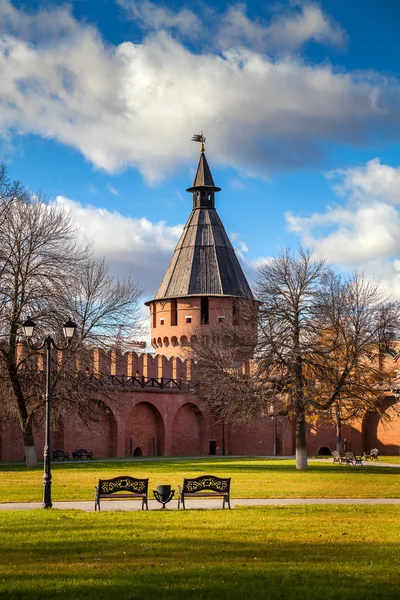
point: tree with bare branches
(46, 275)
(317, 331)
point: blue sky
(299, 102)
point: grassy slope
(251, 477)
(324, 553)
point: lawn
(251, 478)
(324, 553)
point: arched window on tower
(174, 312)
(204, 310)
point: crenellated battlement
(131, 364)
(128, 365)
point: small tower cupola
(203, 188)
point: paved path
(127, 505)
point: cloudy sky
(299, 102)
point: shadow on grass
(137, 563)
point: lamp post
(223, 426)
(69, 328)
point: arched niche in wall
(145, 429)
(382, 433)
(100, 434)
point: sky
(299, 102)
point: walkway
(127, 505)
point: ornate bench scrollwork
(121, 487)
(205, 486)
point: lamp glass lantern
(28, 327)
(69, 329)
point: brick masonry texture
(168, 422)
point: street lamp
(69, 328)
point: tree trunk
(26, 424)
(338, 433)
(30, 452)
(301, 446)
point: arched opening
(100, 435)
(166, 341)
(154, 343)
(188, 431)
(324, 451)
(146, 427)
(383, 432)
(174, 341)
(388, 432)
(159, 341)
(184, 341)
(138, 452)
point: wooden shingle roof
(204, 262)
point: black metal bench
(121, 487)
(82, 453)
(205, 486)
(337, 458)
(371, 455)
(60, 454)
(351, 459)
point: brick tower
(204, 284)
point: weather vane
(199, 137)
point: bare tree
(46, 275)
(317, 331)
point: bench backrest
(58, 452)
(82, 451)
(350, 456)
(374, 452)
(207, 482)
(123, 484)
(336, 454)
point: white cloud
(112, 190)
(285, 33)
(153, 16)
(364, 233)
(137, 105)
(131, 246)
(374, 180)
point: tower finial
(199, 137)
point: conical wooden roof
(204, 262)
(203, 177)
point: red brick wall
(188, 432)
(173, 419)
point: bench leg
(227, 500)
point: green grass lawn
(307, 552)
(251, 478)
